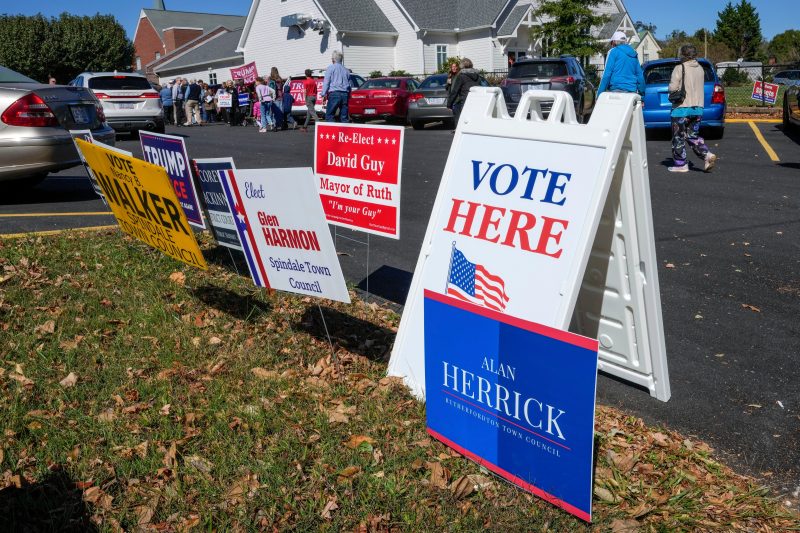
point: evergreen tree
(568, 25)
(786, 46)
(739, 27)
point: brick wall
(147, 43)
(177, 37)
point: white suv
(129, 101)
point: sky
(688, 15)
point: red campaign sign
(248, 73)
(299, 93)
(768, 92)
(358, 175)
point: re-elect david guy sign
(358, 176)
(514, 396)
(283, 232)
(169, 152)
(143, 202)
(220, 214)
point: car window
(782, 74)
(661, 73)
(356, 81)
(381, 84)
(9, 76)
(119, 83)
(412, 85)
(545, 69)
(434, 82)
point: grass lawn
(740, 96)
(135, 392)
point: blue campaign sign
(169, 152)
(514, 396)
(220, 216)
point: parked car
(34, 119)
(787, 77)
(129, 101)
(296, 85)
(791, 108)
(657, 106)
(385, 98)
(429, 102)
(563, 73)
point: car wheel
(417, 125)
(160, 129)
(787, 124)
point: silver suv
(129, 101)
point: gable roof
(611, 26)
(162, 20)
(449, 15)
(513, 19)
(357, 16)
(219, 48)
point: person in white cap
(622, 73)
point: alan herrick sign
(514, 396)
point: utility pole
(705, 43)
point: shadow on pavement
(791, 133)
(59, 188)
(348, 332)
(53, 504)
(389, 283)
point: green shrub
(399, 73)
(734, 76)
(376, 74)
(446, 67)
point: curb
(756, 110)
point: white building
(646, 46)
(412, 35)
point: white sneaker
(711, 160)
(683, 168)
(262, 130)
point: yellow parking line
(53, 232)
(762, 120)
(84, 214)
(770, 152)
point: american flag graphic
(472, 283)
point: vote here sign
(169, 152)
(143, 201)
(514, 396)
(283, 231)
(358, 171)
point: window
(646, 57)
(158, 56)
(119, 83)
(138, 63)
(212, 78)
(441, 55)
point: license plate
(435, 101)
(369, 111)
(79, 114)
(126, 106)
(535, 86)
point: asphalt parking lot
(728, 244)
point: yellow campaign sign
(144, 203)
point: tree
(567, 26)
(785, 46)
(39, 47)
(702, 39)
(739, 27)
(645, 26)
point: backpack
(278, 89)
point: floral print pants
(687, 129)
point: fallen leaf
(624, 526)
(330, 506)
(165, 410)
(214, 341)
(263, 373)
(669, 265)
(144, 514)
(178, 278)
(200, 463)
(47, 328)
(169, 457)
(481, 482)
(348, 473)
(660, 439)
(22, 380)
(107, 415)
(462, 487)
(357, 440)
(71, 345)
(604, 494)
(752, 308)
(69, 381)
(98, 498)
(439, 475)
(141, 449)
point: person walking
(265, 95)
(287, 104)
(233, 112)
(623, 73)
(310, 92)
(165, 94)
(336, 89)
(208, 105)
(466, 79)
(177, 101)
(193, 91)
(688, 78)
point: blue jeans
(337, 100)
(266, 115)
(287, 113)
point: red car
(385, 98)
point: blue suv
(657, 106)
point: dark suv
(554, 73)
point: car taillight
(30, 111)
(101, 95)
(358, 95)
(568, 80)
(718, 96)
(506, 82)
(413, 97)
(101, 114)
(148, 95)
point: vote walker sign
(358, 175)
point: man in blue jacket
(166, 102)
(623, 73)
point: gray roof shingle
(162, 20)
(513, 19)
(221, 47)
(611, 26)
(357, 16)
(451, 14)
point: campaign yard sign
(514, 396)
(169, 151)
(224, 100)
(220, 214)
(247, 72)
(765, 92)
(298, 91)
(283, 231)
(358, 175)
(143, 201)
(86, 135)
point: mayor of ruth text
(514, 228)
